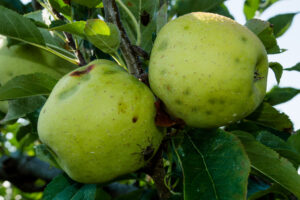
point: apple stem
(131, 58)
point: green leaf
(268, 116)
(294, 68)
(57, 185)
(62, 7)
(23, 131)
(214, 164)
(270, 164)
(282, 23)
(104, 36)
(294, 141)
(68, 192)
(18, 27)
(279, 95)
(275, 189)
(89, 3)
(27, 85)
(20, 107)
(162, 17)
(15, 5)
(264, 31)
(86, 192)
(102, 195)
(44, 153)
(279, 145)
(277, 69)
(145, 15)
(187, 6)
(76, 28)
(250, 8)
(222, 10)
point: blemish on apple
(85, 71)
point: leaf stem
(133, 19)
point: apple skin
(204, 67)
(26, 59)
(99, 123)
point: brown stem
(112, 15)
(156, 170)
(71, 41)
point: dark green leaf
(277, 69)
(279, 145)
(57, 185)
(270, 164)
(27, 85)
(102, 195)
(162, 17)
(86, 192)
(278, 193)
(16, 5)
(68, 192)
(187, 6)
(250, 8)
(265, 33)
(62, 7)
(145, 15)
(89, 3)
(76, 28)
(18, 27)
(281, 23)
(294, 141)
(294, 68)
(256, 185)
(23, 131)
(280, 95)
(222, 10)
(20, 107)
(44, 153)
(104, 36)
(215, 166)
(268, 116)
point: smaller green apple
(99, 123)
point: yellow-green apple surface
(99, 123)
(25, 59)
(208, 70)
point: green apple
(99, 123)
(26, 59)
(208, 70)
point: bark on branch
(23, 171)
(112, 15)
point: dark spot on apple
(222, 101)
(163, 45)
(208, 112)
(186, 91)
(85, 71)
(134, 119)
(244, 39)
(194, 109)
(178, 101)
(163, 71)
(186, 27)
(44, 111)
(237, 60)
(122, 107)
(211, 101)
(110, 72)
(145, 18)
(168, 87)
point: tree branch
(132, 60)
(71, 41)
(23, 171)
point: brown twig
(132, 60)
(71, 41)
(155, 169)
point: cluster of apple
(99, 121)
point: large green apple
(208, 70)
(99, 123)
(25, 59)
